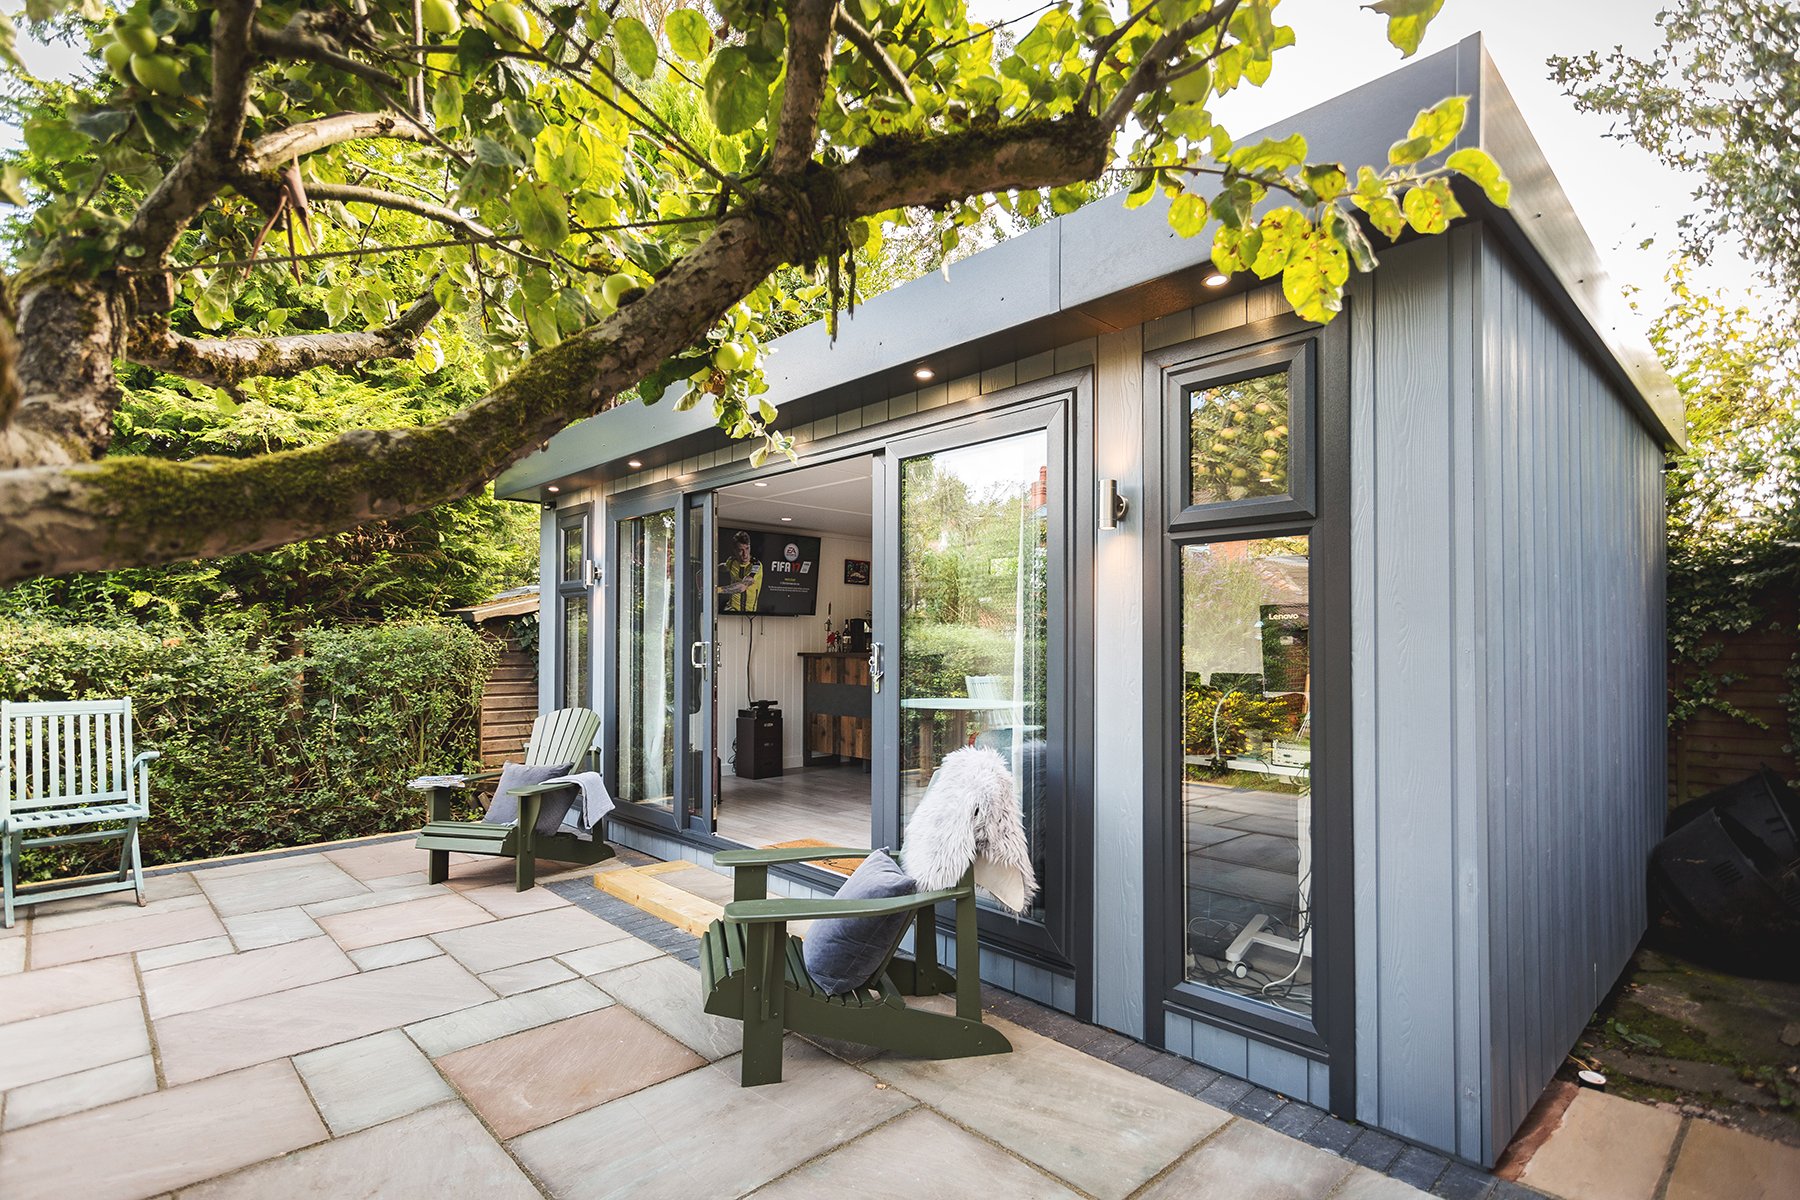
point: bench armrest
(538, 789)
(763, 912)
(145, 756)
(774, 858)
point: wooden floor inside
(829, 804)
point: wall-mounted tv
(767, 574)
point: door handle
(698, 658)
(875, 671)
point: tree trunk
(69, 333)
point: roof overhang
(1106, 267)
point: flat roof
(1105, 267)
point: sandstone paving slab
(397, 922)
(79, 1092)
(370, 1080)
(164, 925)
(514, 940)
(507, 901)
(919, 1156)
(58, 989)
(666, 993)
(374, 897)
(304, 880)
(596, 960)
(212, 1041)
(383, 883)
(66, 1042)
(1247, 1159)
(442, 1151)
(188, 987)
(1364, 1184)
(1605, 1149)
(105, 909)
(162, 1140)
(527, 976)
(498, 1018)
(375, 860)
(12, 956)
(700, 1134)
(181, 952)
(529, 1079)
(1095, 1125)
(1715, 1161)
(392, 954)
(271, 927)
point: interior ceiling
(833, 497)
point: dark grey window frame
(641, 504)
(1329, 1035)
(575, 516)
(1299, 356)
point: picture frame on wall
(856, 570)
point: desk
(959, 708)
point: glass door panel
(698, 784)
(644, 649)
(974, 616)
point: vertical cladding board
(1403, 535)
(1572, 504)
(1118, 686)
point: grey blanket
(586, 813)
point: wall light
(1215, 279)
(1113, 506)
(922, 373)
(633, 463)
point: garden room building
(1328, 660)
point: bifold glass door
(972, 632)
(697, 780)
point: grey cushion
(553, 807)
(844, 953)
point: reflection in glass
(645, 695)
(1246, 790)
(1238, 439)
(576, 693)
(573, 550)
(974, 528)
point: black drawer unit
(758, 743)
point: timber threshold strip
(635, 899)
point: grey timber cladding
(1507, 598)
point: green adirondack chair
(753, 971)
(563, 736)
(70, 766)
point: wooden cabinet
(837, 705)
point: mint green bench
(752, 970)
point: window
(1239, 436)
(574, 683)
(1238, 439)
(644, 642)
(1246, 768)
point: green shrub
(259, 750)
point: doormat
(837, 866)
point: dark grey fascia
(1105, 267)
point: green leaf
(447, 101)
(688, 33)
(1439, 124)
(1283, 232)
(1187, 214)
(337, 304)
(542, 214)
(1270, 155)
(1408, 151)
(737, 96)
(1431, 206)
(1233, 203)
(636, 46)
(1478, 166)
(1326, 181)
(1314, 277)
(1407, 20)
(1230, 253)
(1350, 235)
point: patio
(325, 1022)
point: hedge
(264, 745)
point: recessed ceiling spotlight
(787, 518)
(922, 373)
(762, 483)
(553, 489)
(1216, 279)
(633, 463)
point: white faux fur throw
(970, 815)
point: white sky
(1621, 194)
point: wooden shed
(509, 701)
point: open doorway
(795, 598)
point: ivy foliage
(557, 158)
(261, 750)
